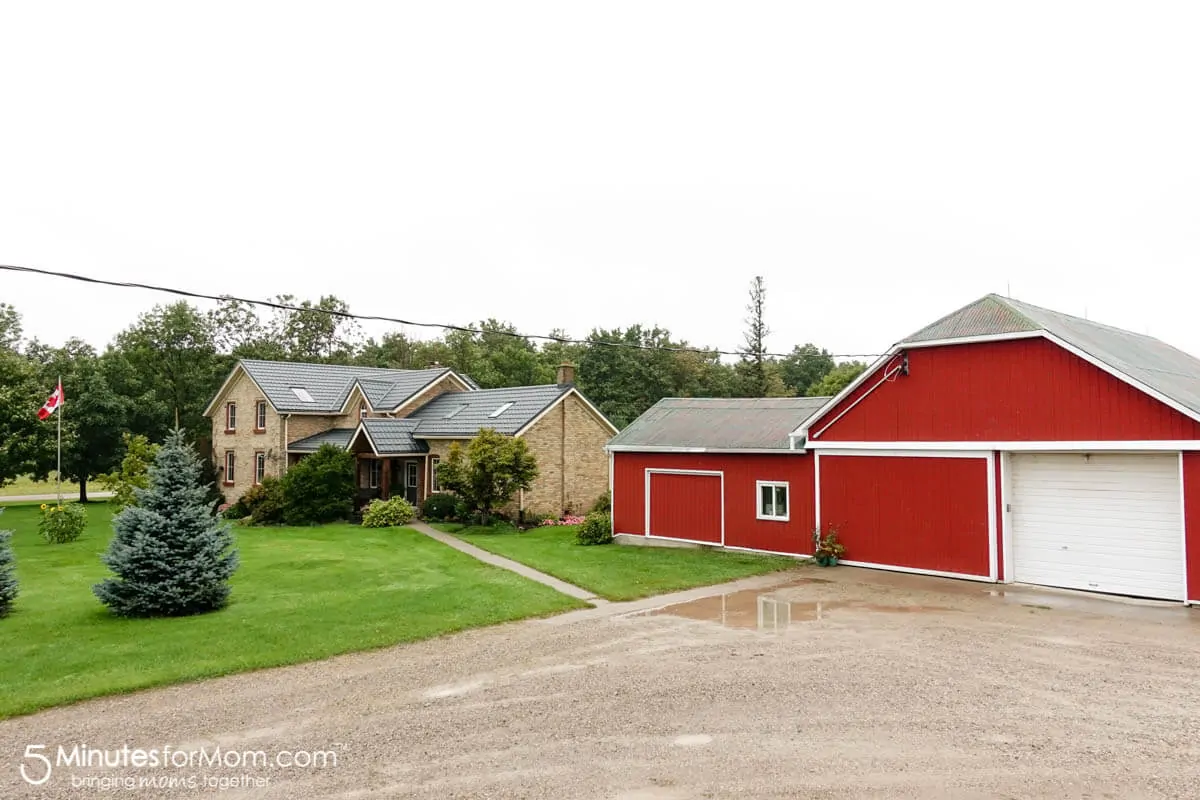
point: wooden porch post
(385, 480)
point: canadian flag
(52, 404)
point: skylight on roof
(501, 410)
(302, 394)
(454, 411)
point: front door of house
(412, 473)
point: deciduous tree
(489, 473)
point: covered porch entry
(390, 462)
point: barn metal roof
(1148, 361)
(712, 423)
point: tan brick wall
(245, 442)
(572, 465)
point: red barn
(1004, 442)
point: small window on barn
(302, 394)
(773, 500)
(501, 410)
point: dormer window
(501, 410)
(362, 408)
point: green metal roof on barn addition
(1146, 360)
(701, 424)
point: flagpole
(58, 473)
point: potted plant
(827, 550)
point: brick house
(399, 424)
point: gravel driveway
(879, 686)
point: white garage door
(1103, 523)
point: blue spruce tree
(8, 574)
(171, 555)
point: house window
(260, 466)
(260, 416)
(773, 500)
(413, 472)
(230, 462)
(362, 408)
(230, 417)
(374, 473)
(433, 479)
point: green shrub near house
(62, 523)
(596, 529)
(440, 507)
(320, 488)
(264, 504)
(388, 513)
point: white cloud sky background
(569, 165)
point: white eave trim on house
(362, 429)
(569, 392)
(638, 448)
(212, 406)
(1143, 445)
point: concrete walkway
(507, 563)
(45, 498)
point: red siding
(1017, 390)
(686, 506)
(922, 513)
(1191, 510)
(742, 528)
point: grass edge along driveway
(618, 572)
(300, 594)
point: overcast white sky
(573, 165)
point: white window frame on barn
(775, 487)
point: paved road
(848, 684)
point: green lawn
(300, 594)
(26, 485)
(619, 572)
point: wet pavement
(839, 683)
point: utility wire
(377, 318)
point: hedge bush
(388, 513)
(264, 503)
(603, 504)
(441, 506)
(596, 529)
(319, 488)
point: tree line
(163, 369)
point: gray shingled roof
(711, 423)
(335, 436)
(329, 384)
(1154, 363)
(471, 410)
(393, 437)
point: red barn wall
(928, 513)
(1015, 390)
(695, 508)
(742, 470)
(1191, 510)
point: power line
(395, 320)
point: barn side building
(1004, 442)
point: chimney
(566, 374)
(433, 365)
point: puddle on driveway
(765, 611)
